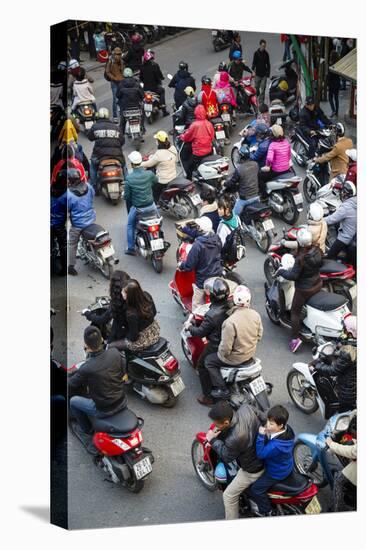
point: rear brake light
(148, 97)
(153, 228)
(87, 111)
(171, 365)
(112, 173)
(223, 168)
(225, 107)
(219, 127)
(265, 214)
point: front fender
(304, 369)
(310, 441)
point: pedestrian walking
(334, 85)
(114, 73)
(262, 67)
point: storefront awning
(347, 66)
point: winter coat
(236, 70)
(279, 155)
(114, 70)
(180, 81)
(129, 94)
(226, 227)
(261, 64)
(133, 58)
(211, 325)
(346, 216)
(238, 441)
(136, 323)
(277, 453)
(244, 179)
(260, 155)
(81, 207)
(204, 258)
(308, 120)
(165, 161)
(102, 372)
(223, 89)
(59, 210)
(344, 367)
(348, 451)
(151, 76)
(305, 271)
(352, 172)
(186, 115)
(108, 139)
(241, 332)
(138, 187)
(211, 211)
(82, 91)
(200, 133)
(337, 157)
(207, 97)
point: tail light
(171, 365)
(225, 108)
(153, 228)
(148, 97)
(99, 244)
(265, 214)
(111, 173)
(219, 127)
(87, 111)
(223, 168)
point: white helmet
(205, 224)
(62, 66)
(315, 212)
(350, 324)
(242, 296)
(73, 64)
(304, 237)
(287, 261)
(352, 154)
(135, 158)
(103, 113)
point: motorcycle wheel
(134, 485)
(187, 353)
(170, 402)
(191, 209)
(107, 269)
(301, 151)
(290, 214)
(303, 460)
(149, 120)
(266, 240)
(114, 202)
(302, 397)
(204, 471)
(157, 264)
(270, 269)
(235, 157)
(288, 510)
(216, 45)
(271, 315)
(310, 189)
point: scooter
(151, 104)
(290, 77)
(179, 199)
(149, 240)
(258, 225)
(110, 179)
(226, 113)
(221, 39)
(246, 97)
(85, 114)
(220, 135)
(95, 248)
(133, 128)
(296, 494)
(323, 312)
(283, 196)
(277, 112)
(300, 146)
(318, 175)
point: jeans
(93, 171)
(131, 223)
(334, 100)
(114, 87)
(260, 86)
(337, 247)
(258, 491)
(242, 203)
(82, 408)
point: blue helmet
(220, 473)
(237, 54)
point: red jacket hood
(200, 113)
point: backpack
(234, 247)
(105, 71)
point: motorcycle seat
(210, 158)
(90, 232)
(107, 162)
(294, 484)
(331, 266)
(216, 120)
(326, 301)
(290, 175)
(255, 207)
(245, 370)
(87, 102)
(123, 422)
(156, 349)
(179, 181)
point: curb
(97, 65)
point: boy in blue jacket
(274, 445)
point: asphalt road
(172, 493)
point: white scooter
(323, 312)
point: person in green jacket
(138, 196)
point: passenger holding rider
(164, 160)
(317, 226)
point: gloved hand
(87, 314)
(278, 273)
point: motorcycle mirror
(141, 84)
(169, 76)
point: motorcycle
(277, 112)
(246, 97)
(258, 225)
(318, 175)
(300, 146)
(180, 199)
(336, 276)
(95, 248)
(226, 113)
(133, 127)
(220, 136)
(323, 313)
(291, 78)
(149, 239)
(110, 179)
(151, 104)
(294, 495)
(221, 39)
(283, 196)
(85, 114)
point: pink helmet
(350, 324)
(136, 37)
(148, 55)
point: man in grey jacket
(346, 217)
(233, 439)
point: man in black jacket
(129, 96)
(180, 81)
(133, 57)
(152, 77)
(309, 118)
(103, 374)
(109, 141)
(262, 67)
(234, 439)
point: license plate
(135, 128)
(220, 134)
(298, 198)
(157, 244)
(113, 187)
(177, 386)
(214, 33)
(148, 107)
(226, 117)
(196, 199)
(268, 224)
(88, 124)
(142, 468)
(279, 120)
(107, 251)
(313, 507)
(353, 291)
(258, 385)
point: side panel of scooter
(142, 370)
(326, 323)
(310, 441)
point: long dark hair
(136, 299)
(164, 144)
(118, 281)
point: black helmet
(208, 193)
(183, 66)
(348, 190)
(222, 66)
(219, 291)
(73, 177)
(340, 129)
(244, 152)
(206, 80)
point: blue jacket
(277, 453)
(81, 207)
(260, 154)
(204, 258)
(59, 210)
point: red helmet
(136, 38)
(148, 55)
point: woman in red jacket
(208, 98)
(200, 134)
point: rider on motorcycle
(317, 227)
(352, 166)
(244, 180)
(151, 76)
(82, 90)
(185, 115)
(221, 68)
(130, 96)
(337, 156)
(263, 137)
(208, 98)
(164, 161)
(237, 67)
(225, 93)
(229, 221)
(200, 134)
(180, 81)
(241, 332)
(278, 159)
(109, 141)
(346, 217)
(311, 119)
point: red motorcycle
(294, 495)
(246, 97)
(337, 277)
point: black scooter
(289, 76)
(221, 39)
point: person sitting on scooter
(58, 218)
(274, 445)
(346, 217)
(228, 220)
(208, 98)
(278, 159)
(224, 91)
(130, 96)
(221, 68)
(311, 118)
(180, 81)
(240, 335)
(237, 67)
(263, 137)
(337, 156)
(306, 275)
(152, 77)
(317, 226)
(164, 161)
(138, 195)
(201, 134)
(234, 439)
(80, 196)
(185, 116)
(108, 142)
(103, 373)
(82, 90)
(209, 206)
(68, 159)
(244, 180)
(204, 258)
(352, 166)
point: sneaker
(130, 252)
(71, 270)
(295, 344)
(219, 393)
(206, 401)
